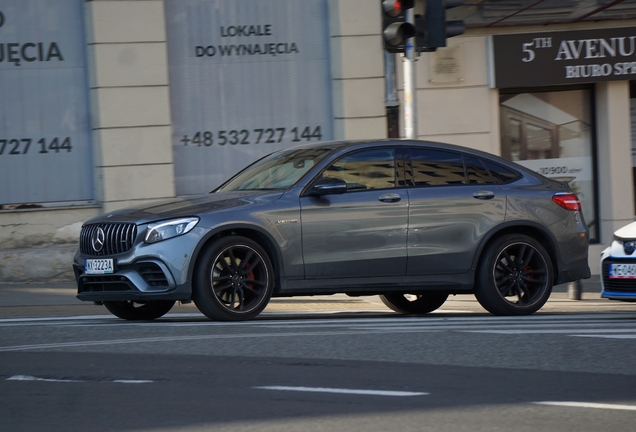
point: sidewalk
(58, 299)
(37, 265)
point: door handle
(484, 195)
(390, 197)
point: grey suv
(411, 221)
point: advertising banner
(44, 119)
(247, 77)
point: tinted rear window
(436, 167)
(476, 173)
(499, 173)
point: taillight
(568, 201)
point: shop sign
(44, 119)
(561, 58)
(247, 77)
(565, 169)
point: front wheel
(234, 280)
(514, 277)
(414, 303)
(137, 311)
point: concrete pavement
(58, 299)
(33, 265)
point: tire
(420, 303)
(234, 280)
(137, 311)
(515, 276)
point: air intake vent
(153, 275)
(107, 239)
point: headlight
(167, 229)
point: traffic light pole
(410, 88)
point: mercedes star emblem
(99, 237)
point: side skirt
(452, 284)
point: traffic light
(395, 29)
(437, 28)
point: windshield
(279, 170)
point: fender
(273, 245)
(517, 226)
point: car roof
(401, 142)
(343, 146)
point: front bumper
(146, 272)
(617, 289)
(141, 281)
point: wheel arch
(244, 230)
(535, 231)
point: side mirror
(328, 186)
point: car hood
(190, 206)
(627, 232)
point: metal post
(574, 290)
(392, 101)
(410, 88)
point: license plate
(622, 271)
(99, 266)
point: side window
(436, 167)
(364, 170)
(476, 173)
(499, 173)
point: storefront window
(551, 133)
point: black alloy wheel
(234, 280)
(515, 276)
(422, 303)
(138, 311)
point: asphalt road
(322, 364)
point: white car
(618, 266)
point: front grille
(114, 238)
(617, 285)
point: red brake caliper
(250, 275)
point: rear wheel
(514, 277)
(414, 303)
(234, 280)
(136, 311)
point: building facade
(112, 103)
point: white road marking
(345, 328)
(32, 378)
(607, 336)
(46, 320)
(133, 381)
(429, 319)
(570, 331)
(172, 339)
(343, 391)
(607, 326)
(590, 405)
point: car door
(362, 232)
(454, 202)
